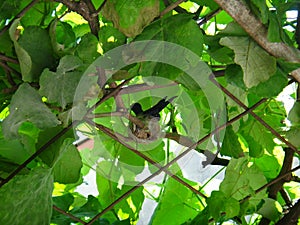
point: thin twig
(177, 8)
(170, 7)
(8, 59)
(68, 214)
(10, 69)
(144, 87)
(8, 74)
(208, 17)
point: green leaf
(210, 3)
(234, 76)
(293, 136)
(123, 222)
(177, 205)
(60, 87)
(7, 167)
(90, 209)
(263, 9)
(272, 87)
(257, 137)
(133, 203)
(13, 150)
(215, 204)
(110, 38)
(39, 14)
(271, 209)
(87, 48)
(53, 151)
(180, 29)
(9, 9)
(6, 44)
(32, 191)
(274, 28)
(106, 178)
(64, 201)
(231, 145)
(34, 43)
(131, 16)
(242, 179)
(218, 203)
(62, 37)
(258, 66)
(26, 105)
(29, 134)
(67, 169)
(294, 114)
(269, 165)
(24, 58)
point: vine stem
(68, 214)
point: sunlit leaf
(258, 66)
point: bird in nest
(151, 129)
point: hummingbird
(150, 117)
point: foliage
(226, 147)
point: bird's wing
(155, 110)
(137, 109)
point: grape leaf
(262, 7)
(271, 209)
(110, 38)
(34, 51)
(62, 37)
(258, 66)
(13, 151)
(87, 48)
(131, 16)
(67, 169)
(294, 114)
(60, 87)
(271, 87)
(26, 199)
(179, 29)
(219, 203)
(257, 137)
(177, 205)
(242, 179)
(26, 105)
(231, 145)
